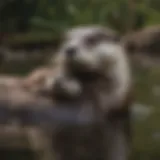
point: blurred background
(29, 35)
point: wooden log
(17, 100)
(28, 120)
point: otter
(94, 57)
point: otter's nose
(71, 51)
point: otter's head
(88, 50)
(95, 54)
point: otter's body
(94, 57)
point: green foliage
(58, 15)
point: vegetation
(57, 15)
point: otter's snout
(71, 52)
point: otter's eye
(90, 41)
(95, 39)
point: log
(28, 119)
(32, 109)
